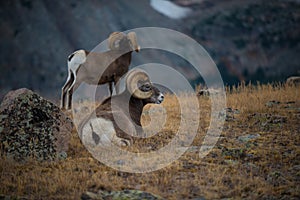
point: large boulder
(33, 127)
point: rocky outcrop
(33, 127)
(293, 80)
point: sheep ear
(133, 39)
(132, 79)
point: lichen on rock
(32, 127)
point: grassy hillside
(256, 157)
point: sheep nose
(161, 97)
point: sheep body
(88, 73)
(125, 118)
(99, 68)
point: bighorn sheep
(99, 68)
(293, 80)
(118, 118)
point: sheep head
(121, 41)
(138, 84)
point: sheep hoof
(123, 142)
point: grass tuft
(256, 157)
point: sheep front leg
(110, 85)
(121, 141)
(117, 85)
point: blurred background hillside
(250, 40)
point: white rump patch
(78, 58)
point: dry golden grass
(265, 167)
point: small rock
(291, 105)
(90, 196)
(276, 119)
(116, 195)
(293, 81)
(62, 155)
(231, 162)
(290, 102)
(231, 110)
(6, 197)
(199, 198)
(209, 92)
(230, 114)
(272, 103)
(203, 93)
(248, 137)
(233, 153)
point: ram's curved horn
(133, 39)
(113, 38)
(132, 79)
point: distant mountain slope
(37, 36)
(255, 41)
(249, 40)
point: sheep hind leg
(110, 85)
(121, 141)
(117, 85)
(64, 90)
(72, 88)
